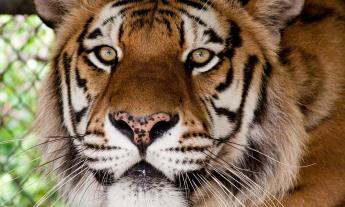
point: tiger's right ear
(52, 11)
(274, 14)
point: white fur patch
(127, 192)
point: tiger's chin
(143, 185)
(153, 193)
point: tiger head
(175, 103)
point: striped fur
(243, 116)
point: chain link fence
(24, 52)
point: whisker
(245, 178)
(214, 192)
(192, 183)
(226, 190)
(201, 189)
(92, 181)
(66, 137)
(60, 184)
(184, 184)
(33, 147)
(33, 170)
(223, 174)
(229, 143)
(78, 186)
(271, 158)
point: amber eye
(106, 54)
(201, 56)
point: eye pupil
(200, 53)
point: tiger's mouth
(147, 176)
(141, 172)
(143, 169)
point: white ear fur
(52, 11)
(275, 14)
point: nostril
(162, 127)
(159, 129)
(122, 126)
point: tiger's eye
(107, 54)
(201, 56)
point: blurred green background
(24, 52)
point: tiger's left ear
(274, 14)
(52, 12)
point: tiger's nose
(142, 131)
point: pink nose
(143, 130)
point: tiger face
(176, 103)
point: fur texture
(243, 116)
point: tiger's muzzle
(142, 131)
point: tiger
(192, 103)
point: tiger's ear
(52, 11)
(274, 14)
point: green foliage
(24, 51)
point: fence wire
(24, 52)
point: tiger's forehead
(182, 24)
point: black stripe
(235, 35)
(140, 13)
(228, 80)
(194, 18)
(57, 85)
(80, 114)
(138, 24)
(167, 12)
(85, 30)
(230, 115)
(213, 36)
(182, 34)
(194, 4)
(234, 40)
(207, 110)
(121, 31)
(248, 76)
(262, 102)
(81, 82)
(247, 79)
(124, 10)
(67, 68)
(124, 2)
(94, 34)
(89, 63)
(167, 23)
(82, 36)
(109, 20)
